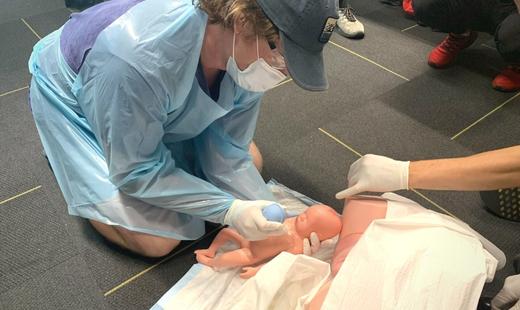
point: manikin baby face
(321, 219)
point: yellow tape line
(133, 278)
(411, 27)
(282, 83)
(21, 194)
(13, 91)
(433, 203)
(485, 116)
(340, 142)
(31, 28)
(370, 61)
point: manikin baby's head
(321, 219)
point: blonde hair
(247, 12)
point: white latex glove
(246, 217)
(509, 295)
(312, 246)
(374, 173)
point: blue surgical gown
(132, 138)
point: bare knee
(257, 156)
(140, 243)
(154, 246)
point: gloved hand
(246, 217)
(374, 173)
(509, 296)
(312, 245)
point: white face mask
(258, 76)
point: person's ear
(238, 26)
(242, 27)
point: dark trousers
(497, 17)
(81, 4)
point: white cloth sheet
(412, 259)
(286, 282)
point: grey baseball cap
(305, 27)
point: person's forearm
(484, 171)
(517, 2)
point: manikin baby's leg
(206, 256)
(236, 258)
(225, 235)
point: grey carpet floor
(383, 99)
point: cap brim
(306, 68)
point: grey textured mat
(444, 100)
(32, 241)
(51, 260)
(46, 23)
(501, 129)
(402, 54)
(17, 42)
(149, 288)
(67, 285)
(13, 10)
(20, 143)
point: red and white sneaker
(446, 52)
(508, 80)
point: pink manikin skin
(357, 216)
(253, 254)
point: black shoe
(393, 2)
(484, 303)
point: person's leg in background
(349, 26)
(507, 39)
(81, 4)
(392, 2)
(452, 17)
(405, 4)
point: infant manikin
(251, 255)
